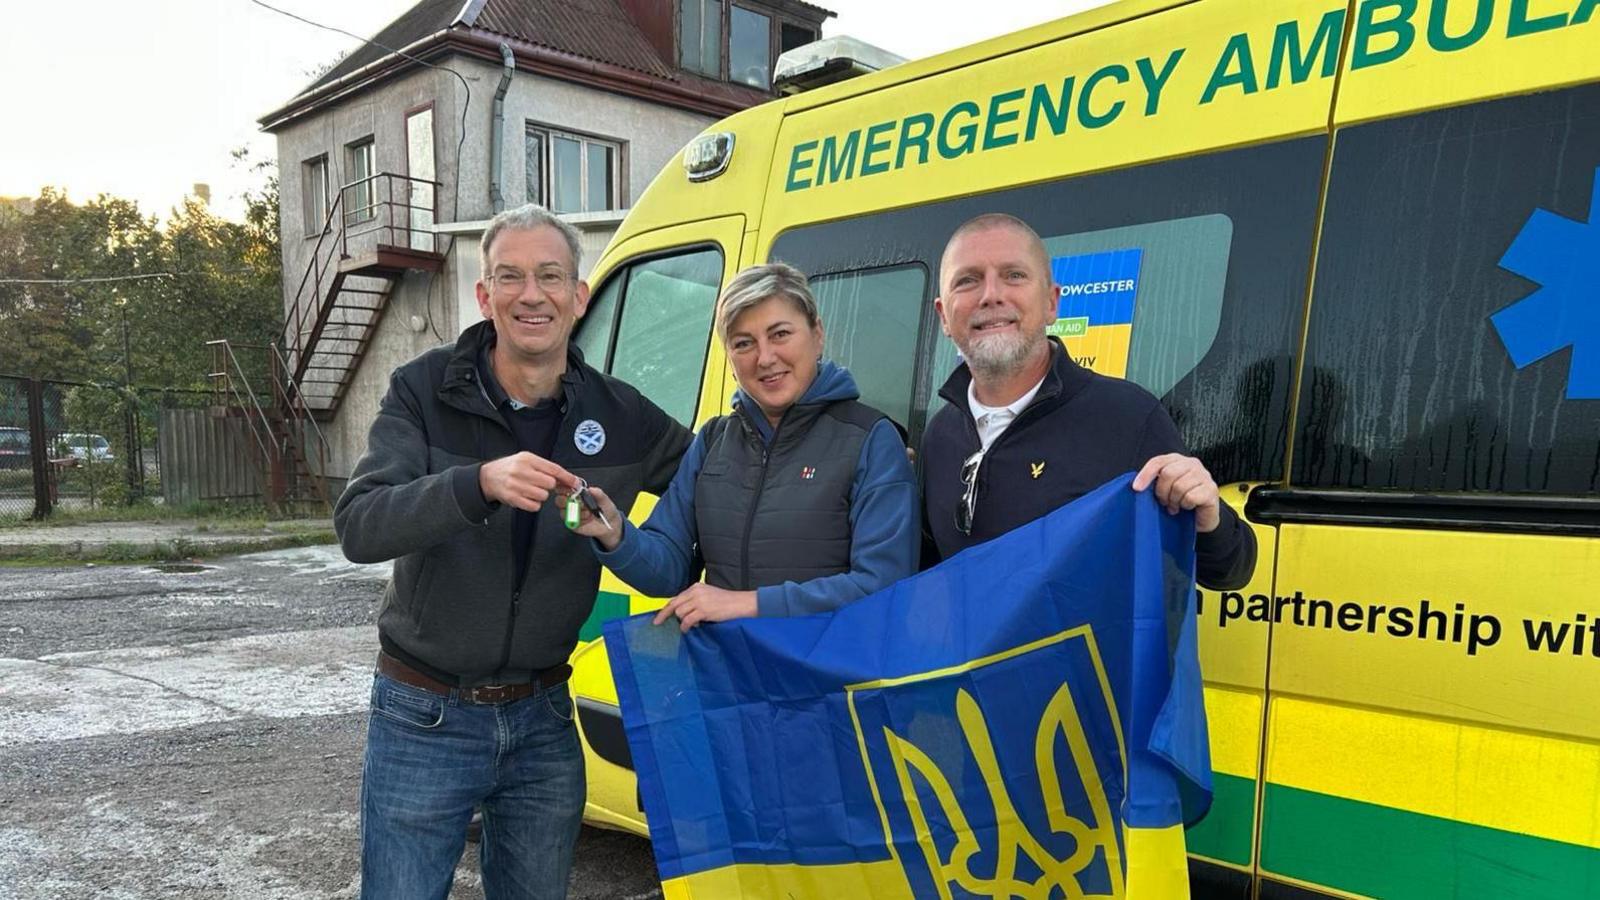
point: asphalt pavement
(196, 731)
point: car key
(594, 507)
(580, 493)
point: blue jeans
(430, 759)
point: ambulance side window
(871, 320)
(1141, 301)
(1190, 279)
(598, 326)
(650, 325)
(1445, 351)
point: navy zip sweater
(1081, 430)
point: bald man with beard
(1027, 430)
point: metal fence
(207, 455)
(78, 445)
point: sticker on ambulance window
(1146, 298)
(1094, 314)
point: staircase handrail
(222, 351)
(368, 213)
(333, 247)
(304, 307)
(302, 411)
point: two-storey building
(392, 161)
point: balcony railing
(383, 212)
(374, 216)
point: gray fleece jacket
(455, 608)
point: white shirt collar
(992, 421)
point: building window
(570, 173)
(314, 197)
(362, 199)
(750, 48)
(700, 36)
(742, 53)
(533, 160)
(793, 36)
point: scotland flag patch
(590, 437)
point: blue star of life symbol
(1563, 256)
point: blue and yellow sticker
(1094, 314)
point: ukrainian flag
(1025, 720)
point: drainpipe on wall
(497, 198)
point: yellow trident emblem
(1093, 841)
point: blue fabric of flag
(765, 741)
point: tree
(45, 330)
(210, 278)
(316, 72)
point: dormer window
(750, 48)
(791, 36)
(736, 41)
(700, 36)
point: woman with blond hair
(799, 501)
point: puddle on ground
(180, 568)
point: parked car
(15, 448)
(83, 446)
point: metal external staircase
(366, 247)
(284, 436)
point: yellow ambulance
(1354, 247)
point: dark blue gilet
(767, 515)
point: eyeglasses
(512, 281)
(968, 507)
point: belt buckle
(491, 693)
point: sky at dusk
(144, 99)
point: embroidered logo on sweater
(589, 437)
(808, 472)
(1036, 469)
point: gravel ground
(198, 733)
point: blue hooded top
(658, 558)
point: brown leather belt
(488, 693)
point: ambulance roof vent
(829, 60)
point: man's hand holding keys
(523, 480)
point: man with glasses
(472, 448)
(1027, 430)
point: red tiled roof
(591, 29)
(427, 17)
(591, 33)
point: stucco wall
(652, 134)
(380, 113)
(443, 303)
(395, 342)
